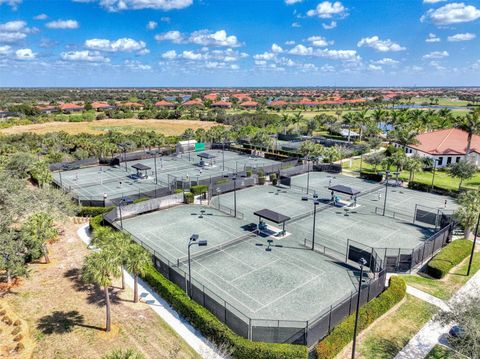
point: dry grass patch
(167, 127)
(66, 317)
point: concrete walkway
(193, 337)
(431, 334)
(427, 297)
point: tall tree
(138, 260)
(471, 124)
(12, 256)
(100, 268)
(467, 214)
(36, 232)
(463, 170)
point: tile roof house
(249, 104)
(71, 107)
(221, 104)
(446, 146)
(102, 106)
(165, 104)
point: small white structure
(185, 146)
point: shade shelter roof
(271, 216)
(206, 156)
(344, 189)
(141, 167)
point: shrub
(342, 334)
(215, 330)
(371, 176)
(86, 211)
(17, 323)
(188, 197)
(18, 337)
(198, 190)
(448, 258)
(19, 347)
(16, 330)
(178, 190)
(261, 180)
(249, 173)
(95, 222)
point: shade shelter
(272, 216)
(204, 156)
(141, 170)
(337, 201)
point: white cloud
(264, 56)
(462, 37)
(13, 31)
(84, 55)
(433, 1)
(41, 17)
(319, 41)
(152, 25)
(119, 5)
(386, 61)
(375, 67)
(432, 38)
(5, 50)
(301, 50)
(437, 65)
(219, 38)
(277, 48)
(380, 45)
(121, 45)
(436, 55)
(12, 3)
(332, 25)
(165, 19)
(191, 55)
(296, 24)
(327, 9)
(260, 62)
(290, 42)
(327, 68)
(63, 24)
(136, 65)
(173, 36)
(25, 54)
(453, 13)
(234, 67)
(291, 2)
(169, 55)
(200, 37)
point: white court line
(289, 292)
(254, 270)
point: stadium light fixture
(194, 239)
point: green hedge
(342, 334)
(215, 330)
(448, 258)
(96, 222)
(188, 197)
(86, 211)
(261, 180)
(371, 176)
(426, 187)
(198, 190)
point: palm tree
(118, 244)
(404, 136)
(362, 120)
(297, 119)
(413, 164)
(467, 214)
(123, 354)
(471, 124)
(37, 231)
(138, 260)
(100, 268)
(349, 120)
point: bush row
(215, 330)
(86, 211)
(198, 190)
(424, 187)
(377, 177)
(449, 257)
(342, 334)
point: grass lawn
(444, 288)
(65, 318)
(167, 127)
(442, 178)
(441, 352)
(388, 335)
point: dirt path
(167, 127)
(66, 318)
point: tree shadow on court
(60, 322)
(95, 294)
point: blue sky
(239, 43)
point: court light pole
(435, 161)
(154, 153)
(193, 241)
(387, 176)
(219, 191)
(473, 246)
(235, 195)
(315, 204)
(105, 200)
(362, 263)
(223, 156)
(120, 210)
(308, 173)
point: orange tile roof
(211, 96)
(163, 103)
(196, 102)
(222, 103)
(278, 103)
(249, 104)
(451, 141)
(97, 105)
(70, 106)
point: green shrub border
(448, 257)
(86, 211)
(215, 330)
(342, 334)
(208, 324)
(198, 190)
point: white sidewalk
(193, 337)
(424, 341)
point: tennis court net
(217, 248)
